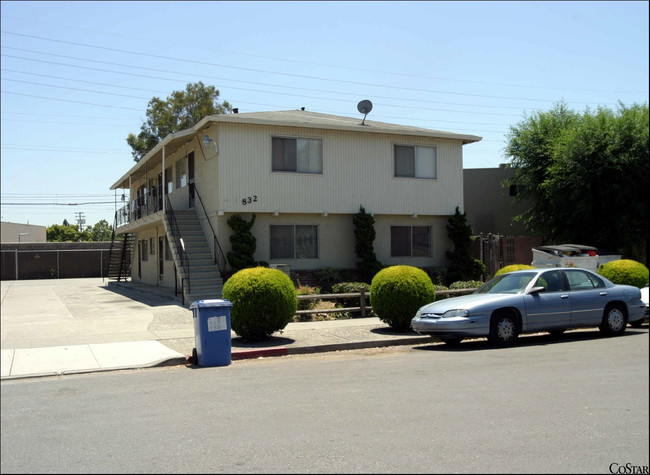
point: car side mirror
(536, 290)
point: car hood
(466, 301)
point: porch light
(207, 141)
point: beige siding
(357, 171)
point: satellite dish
(364, 107)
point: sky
(76, 77)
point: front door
(190, 175)
(161, 257)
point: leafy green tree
(586, 176)
(181, 110)
(364, 232)
(101, 231)
(63, 233)
(462, 265)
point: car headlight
(461, 312)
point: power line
(393, 73)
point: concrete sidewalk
(66, 326)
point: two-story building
(304, 175)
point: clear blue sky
(77, 76)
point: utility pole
(81, 220)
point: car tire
(614, 320)
(503, 329)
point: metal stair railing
(219, 257)
(180, 245)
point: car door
(588, 296)
(550, 308)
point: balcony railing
(142, 206)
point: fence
(363, 308)
(19, 264)
(496, 251)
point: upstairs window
(415, 161)
(410, 241)
(297, 155)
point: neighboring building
(304, 175)
(15, 232)
(491, 206)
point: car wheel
(503, 329)
(452, 341)
(614, 320)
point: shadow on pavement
(525, 340)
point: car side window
(579, 280)
(551, 281)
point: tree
(64, 233)
(364, 232)
(181, 110)
(462, 265)
(243, 244)
(101, 231)
(586, 176)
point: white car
(644, 298)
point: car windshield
(507, 283)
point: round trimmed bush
(513, 267)
(264, 301)
(625, 271)
(397, 292)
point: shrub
(397, 292)
(466, 284)
(264, 301)
(625, 271)
(513, 267)
(440, 296)
(307, 304)
(349, 288)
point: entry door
(190, 175)
(161, 257)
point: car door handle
(602, 294)
(564, 296)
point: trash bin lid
(211, 303)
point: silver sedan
(548, 299)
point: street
(573, 404)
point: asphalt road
(573, 404)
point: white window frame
(309, 156)
(296, 248)
(425, 162)
(414, 249)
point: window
(181, 173)
(294, 242)
(297, 155)
(410, 241)
(579, 280)
(144, 256)
(415, 162)
(152, 248)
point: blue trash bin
(212, 332)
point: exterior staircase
(120, 257)
(204, 280)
